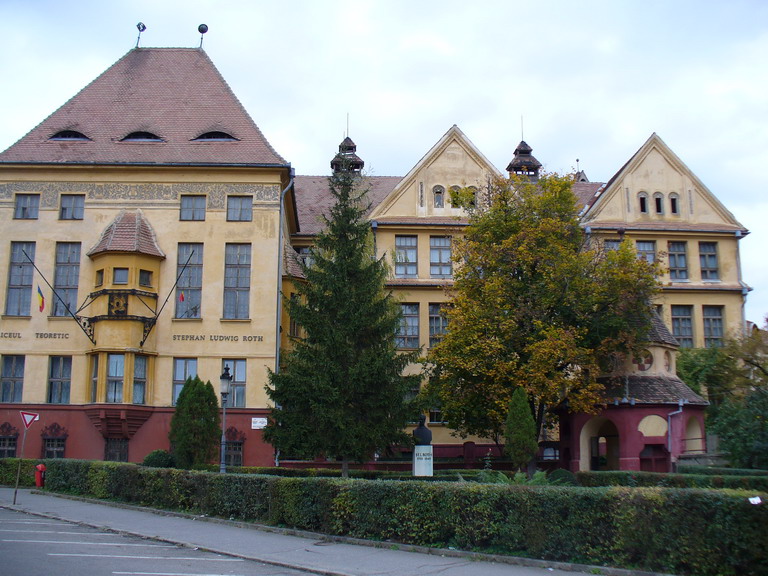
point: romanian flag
(181, 296)
(40, 299)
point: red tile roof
(128, 232)
(174, 93)
(314, 200)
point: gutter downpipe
(279, 310)
(679, 410)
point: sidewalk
(311, 552)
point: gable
(452, 161)
(655, 189)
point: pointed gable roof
(453, 136)
(175, 94)
(128, 232)
(653, 158)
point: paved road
(313, 553)
(37, 546)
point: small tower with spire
(524, 164)
(347, 158)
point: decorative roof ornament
(347, 158)
(524, 163)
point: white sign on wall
(258, 423)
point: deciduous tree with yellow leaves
(537, 305)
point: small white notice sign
(422, 460)
(258, 423)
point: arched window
(216, 136)
(658, 203)
(142, 137)
(69, 135)
(643, 200)
(674, 203)
(438, 196)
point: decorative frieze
(147, 192)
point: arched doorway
(599, 443)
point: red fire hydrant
(40, 475)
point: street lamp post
(226, 380)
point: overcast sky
(586, 80)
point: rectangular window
(116, 449)
(440, 257)
(115, 373)
(406, 257)
(8, 446)
(145, 278)
(26, 206)
(611, 245)
(192, 208)
(713, 326)
(233, 454)
(305, 256)
(239, 208)
(236, 396)
(646, 249)
(678, 261)
(59, 379)
(66, 278)
(54, 447)
(436, 416)
(682, 325)
(12, 378)
(237, 280)
(183, 368)
(189, 290)
(120, 276)
(99, 280)
(94, 377)
(72, 207)
(140, 380)
(294, 330)
(438, 324)
(20, 274)
(708, 260)
(408, 333)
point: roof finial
(522, 133)
(347, 132)
(141, 28)
(203, 28)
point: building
(150, 229)
(152, 203)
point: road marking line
(148, 557)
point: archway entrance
(599, 442)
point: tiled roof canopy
(128, 232)
(176, 94)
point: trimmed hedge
(683, 531)
(692, 469)
(656, 479)
(9, 467)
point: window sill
(236, 320)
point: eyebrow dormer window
(142, 137)
(69, 135)
(215, 137)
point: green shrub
(9, 468)
(562, 477)
(651, 479)
(700, 532)
(160, 459)
(714, 471)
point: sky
(584, 83)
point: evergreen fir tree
(195, 425)
(520, 431)
(341, 392)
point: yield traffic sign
(28, 418)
